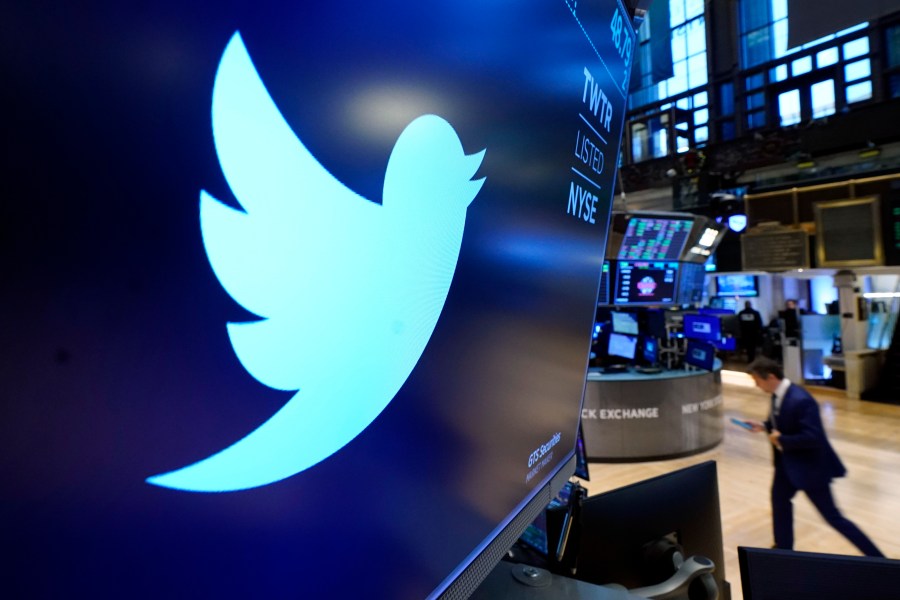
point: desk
(634, 416)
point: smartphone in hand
(745, 424)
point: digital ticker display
(646, 283)
(654, 238)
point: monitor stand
(514, 581)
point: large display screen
(276, 275)
(737, 285)
(646, 283)
(654, 238)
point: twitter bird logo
(322, 266)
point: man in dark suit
(751, 330)
(804, 459)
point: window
(826, 58)
(789, 108)
(801, 66)
(688, 42)
(857, 70)
(816, 79)
(686, 87)
(822, 99)
(859, 92)
(892, 44)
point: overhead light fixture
(870, 295)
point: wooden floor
(866, 435)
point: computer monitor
(771, 573)
(700, 354)
(713, 310)
(691, 283)
(265, 234)
(646, 283)
(655, 238)
(727, 344)
(655, 323)
(702, 327)
(625, 322)
(650, 350)
(724, 302)
(582, 471)
(741, 285)
(616, 528)
(622, 346)
(535, 535)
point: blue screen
(736, 285)
(650, 350)
(623, 346)
(703, 327)
(624, 322)
(220, 217)
(700, 354)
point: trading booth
(654, 387)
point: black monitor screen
(737, 285)
(646, 283)
(625, 322)
(656, 323)
(623, 346)
(700, 354)
(617, 527)
(256, 254)
(535, 535)
(703, 327)
(655, 238)
(768, 573)
(581, 464)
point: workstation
(653, 389)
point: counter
(634, 416)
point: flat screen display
(622, 346)
(700, 354)
(625, 322)
(646, 283)
(773, 573)
(691, 283)
(650, 350)
(655, 238)
(737, 285)
(267, 260)
(703, 327)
